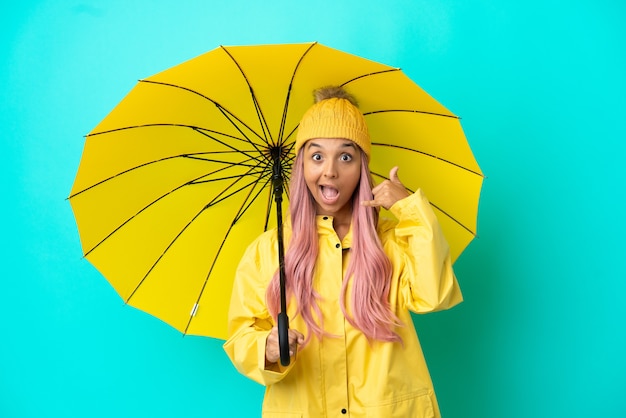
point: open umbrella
(177, 180)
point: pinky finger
(369, 203)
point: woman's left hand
(388, 192)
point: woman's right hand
(272, 350)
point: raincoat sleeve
(249, 321)
(427, 281)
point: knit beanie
(334, 115)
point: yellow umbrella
(176, 181)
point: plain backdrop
(540, 87)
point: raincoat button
(325, 218)
(337, 245)
(343, 411)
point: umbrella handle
(283, 319)
(283, 338)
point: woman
(351, 281)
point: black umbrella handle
(283, 338)
(283, 319)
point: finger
(295, 338)
(393, 175)
(298, 334)
(271, 346)
(293, 347)
(273, 335)
(370, 203)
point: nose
(330, 168)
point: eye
(346, 157)
(316, 157)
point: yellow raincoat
(347, 376)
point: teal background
(540, 85)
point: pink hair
(369, 268)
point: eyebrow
(347, 144)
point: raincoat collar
(325, 229)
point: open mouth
(330, 194)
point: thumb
(393, 175)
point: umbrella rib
(257, 149)
(252, 171)
(133, 217)
(434, 206)
(205, 207)
(379, 144)
(375, 73)
(121, 173)
(453, 218)
(171, 157)
(283, 120)
(223, 196)
(423, 112)
(188, 183)
(391, 70)
(264, 139)
(211, 160)
(176, 125)
(235, 176)
(206, 280)
(392, 110)
(227, 113)
(251, 201)
(264, 126)
(263, 174)
(163, 254)
(242, 209)
(189, 155)
(200, 130)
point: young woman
(352, 280)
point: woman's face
(332, 169)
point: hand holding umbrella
(272, 351)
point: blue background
(540, 85)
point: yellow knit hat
(334, 117)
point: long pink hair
(369, 269)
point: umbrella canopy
(176, 181)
